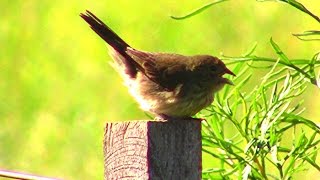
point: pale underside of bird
(166, 84)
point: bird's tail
(118, 44)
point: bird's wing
(163, 69)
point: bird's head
(210, 70)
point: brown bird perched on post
(168, 85)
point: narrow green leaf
(305, 36)
(197, 11)
(302, 8)
(292, 118)
(274, 96)
(297, 5)
(228, 109)
(313, 163)
(312, 65)
(302, 141)
(251, 50)
(249, 145)
(212, 154)
(213, 170)
(216, 129)
(282, 56)
(287, 82)
(312, 137)
(314, 156)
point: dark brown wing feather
(167, 70)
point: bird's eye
(213, 68)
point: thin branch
(22, 176)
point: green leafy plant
(263, 119)
(272, 140)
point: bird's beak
(227, 71)
(227, 81)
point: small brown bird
(168, 85)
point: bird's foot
(164, 117)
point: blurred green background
(57, 89)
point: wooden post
(153, 150)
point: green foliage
(262, 117)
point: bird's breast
(183, 101)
